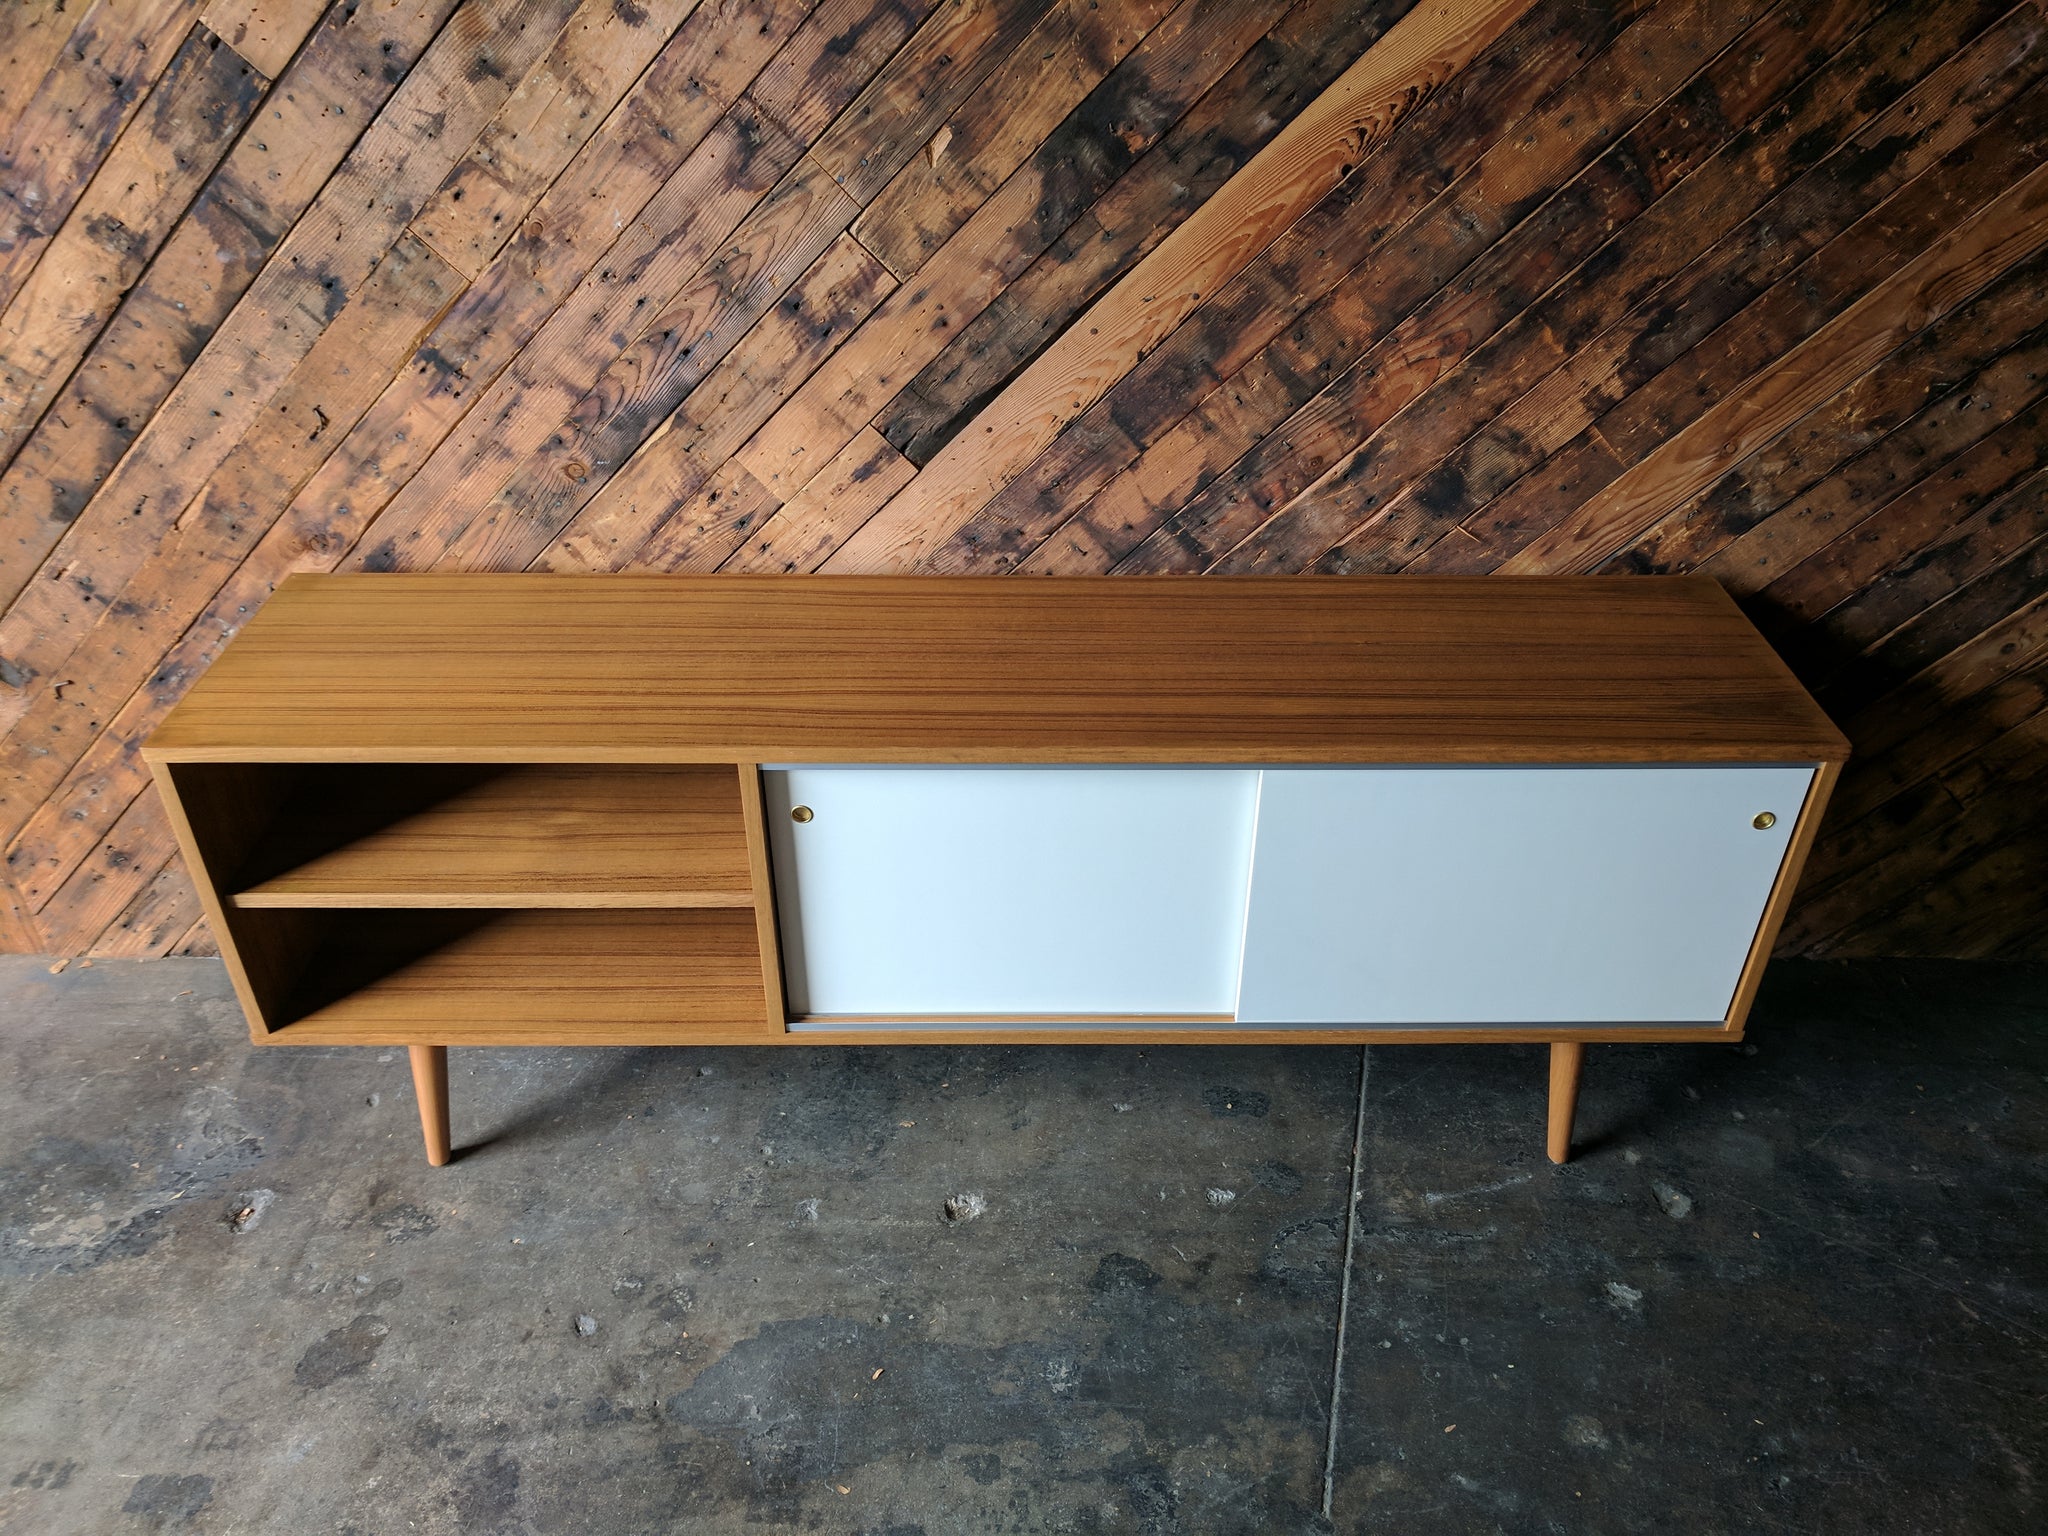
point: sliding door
(1005, 892)
(1503, 896)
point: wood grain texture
(528, 837)
(17, 923)
(216, 816)
(323, 395)
(760, 869)
(612, 882)
(534, 978)
(1782, 890)
(347, 71)
(1566, 1058)
(1315, 151)
(95, 85)
(595, 62)
(1756, 289)
(30, 38)
(359, 215)
(430, 668)
(430, 1088)
(135, 199)
(1086, 160)
(265, 32)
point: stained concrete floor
(1799, 1285)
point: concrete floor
(1797, 1285)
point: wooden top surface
(929, 669)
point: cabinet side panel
(219, 811)
(760, 872)
(1782, 892)
(1471, 896)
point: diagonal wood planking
(1344, 125)
(1123, 286)
(138, 194)
(305, 125)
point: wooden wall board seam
(276, 167)
(1888, 837)
(1413, 499)
(189, 119)
(1869, 64)
(2014, 642)
(18, 932)
(1803, 379)
(1947, 623)
(265, 32)
(1349, 120)
(399, 301)
(1337, 242)
(150, 923)
(1800, 301)
(1014, 112)
(510, 416)
(1908, 765)
(829, 62)
(1909, 415)
(1169, 549)
(489, 333)
(92, 896)
(425, 239)
(577, 456)
(669, 465)
(1215, 136)
(93, 789)
(844, 493)
(329, 252)
(1863, 569)
(1016, 220)
(1248, 479)
(197, 942)
(543, 126)
(92, 92)
(36, 34)
(1782, 306)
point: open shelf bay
(546, 835)
(527, 977)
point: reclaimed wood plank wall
(1019, 286)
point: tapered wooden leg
(430, 1085)
(1565, 1056)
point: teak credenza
(431, 810)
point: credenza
(435, 810)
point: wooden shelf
(551, 835)
(527, 978)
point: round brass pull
(803, 813)
(1765, 820)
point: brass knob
(1765, 820)
(803, 813)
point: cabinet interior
(371, 901)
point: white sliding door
(946, 891)
(1510, 895)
